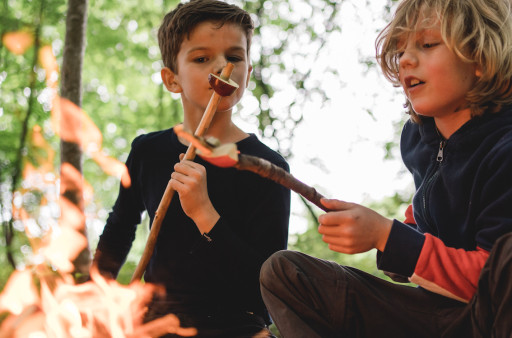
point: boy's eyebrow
(231, 49)
(418, 34)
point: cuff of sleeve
(402, 250)
(207, 239)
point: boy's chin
(226, 104)
(422, 111)
(224, 111)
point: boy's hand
(189, 180)
(353, 228)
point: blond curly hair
(477, 31)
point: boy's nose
(220, 63)
(408, 59)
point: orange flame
(19, 293)
(63, 247)
(73, 125)
(49, 63)
(61, 308)
(71, 178)
(113, 167)
(18, 42)
(98, 308)
(45, 160)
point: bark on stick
(270, 171)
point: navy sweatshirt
(462, 204)
(198, 275)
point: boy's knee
(505, 240)
(499, 263)
(275, 266)
(502, 250)
(269, 266)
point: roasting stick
(222, 86)
(228, 156)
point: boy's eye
(430, 44)
(234, 58)
(397, 54)
(200, 59)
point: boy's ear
(248, 75)
(478, 71)
(169, 80)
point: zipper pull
(440, 152)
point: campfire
(42, 298)
(60, 308)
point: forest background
(123, 97)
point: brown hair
(181, 21)
(478, 31)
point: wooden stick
(272, 172)
(169, 191)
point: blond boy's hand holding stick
(222, 86)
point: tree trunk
(71, 89)
(8, 226)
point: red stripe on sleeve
(448, 271)
(409, 215)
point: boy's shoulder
(152, 137)
(253, 146)
(156, 141)
(503, 131)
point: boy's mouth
(411, 82)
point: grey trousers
(310, 297)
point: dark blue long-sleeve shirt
(221, 275)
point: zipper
(440, 151)
(431, 180)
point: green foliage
(5, 269)
(123, 95)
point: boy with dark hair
(211, 281)
(453, 60)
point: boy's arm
(189, 180)
(243, 243)
(114, 245)
(430, 264)
(405, 252)
(447, 270)
(120, 228)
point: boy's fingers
(178, 177)
(188, 167)
(327, 230)
(335, 204)
(328, 218)
(336, 215)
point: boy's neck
(221, 127)
(449, 124)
